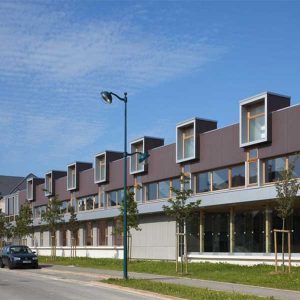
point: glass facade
(294, 162)
(249, 231)
(220, 179)
(164, 189)
(257, 128)
(274, 168)
(238, 176)
(112, 198)
(203, 182)
(192, 229)
(252, 172)
(216, 232)
(152, 191)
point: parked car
(16, 256)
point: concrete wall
(156, 240)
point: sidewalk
(97, 274)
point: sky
(175, 59)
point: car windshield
(20, 250)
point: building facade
(232, 170)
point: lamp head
(106, 97)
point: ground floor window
(249, 231)
(216, 232)
(102, 233)
(192, 229)
(88, 234)
(292, 223)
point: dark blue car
(18, 256)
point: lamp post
(107, 98)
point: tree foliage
(24, 222)
(73, 224)
(52, 217)
(286, 189)
(178, 207)
(132, 213)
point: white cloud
(41, 40)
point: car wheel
(1, 264)
(10, 265)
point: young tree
(73, 226)
(2, 228)
(287, 189)
(24, 223)
(53, 219)
(181, 211)
(132, 217)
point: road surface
(25, 284)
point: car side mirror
(34, 252)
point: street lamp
(107, 98)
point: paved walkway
(90, 274)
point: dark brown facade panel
(61, 189)
(151, 143)
(86, 184)
(40, 198)
(81, 166)
(162, 164)
(205, 125)
(276, 102)
(285, 133)
(116, 173)
(219, 148)
(22, 197)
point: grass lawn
(260, 275)
(179, 290)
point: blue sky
(176, 60)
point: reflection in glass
(274, 169)
(203, 182)
(294, 163)
(152, 191)
(220, 179)
(257, 128)
(252, 172)
(164, 189)
(238, 176)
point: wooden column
(268, 229)
(231, 230)
(201, 231)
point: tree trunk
(282, 243)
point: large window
(88, 234)
(252, 157)
(294, 163)
(64, 207)
(112, 198)
(185, 144)
(256, 122)
(238, 176)
(249, 231)
(203, 183)
(152, 191)
(135, 165)
(188, 142)
(115, 197)
(216, 232)
(164, 189)
(102, 233)
(220, 179)
(274, 168)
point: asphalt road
(35, 285)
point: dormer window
(136, 166)
(256, 129)
(71, 178)
(48, 184)
(186, 142)
(30, 189)
(256, 117)
(100, 168)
